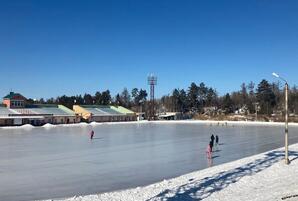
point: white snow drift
(263, 177)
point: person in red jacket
(209, 151)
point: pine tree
(193, 93)
(227, 104)
(125, 98)
(265, 97)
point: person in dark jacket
(212, 139)
(91, 135)
(211, 145)
(216, 142)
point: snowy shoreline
(207, 122)
(263, 177)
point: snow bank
(262, 177)
(221, 123)
(74, 125)
(207, 122)
(47, 125)
(93, 123)
(26, 126)
(65, 125)
(118, 123)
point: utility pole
(287, 161)
(286, 124)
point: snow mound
(27, 126)
(65, 125)
(93, 123)
(48, 125)
(82, 124)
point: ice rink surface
(44, 163)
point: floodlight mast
(152, 81)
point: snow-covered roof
(6, 111)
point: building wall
(48, 120)
(103, 118)
(59, 120)
(6, 122)
(65, 119)
(132, 117)
(40, 122)
(6, 102)
(34, 122)
(100, 118)
(72, 119)
(17, 103)
(14, 103)
(113, 118)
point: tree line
(265, 98)
(126, 99)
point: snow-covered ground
(263, 177)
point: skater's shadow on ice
(97, 138)
(201, 189)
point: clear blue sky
(55, 47)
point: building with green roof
(104, 113)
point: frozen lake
(43, 163)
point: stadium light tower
(287, 161)
(152, 81)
